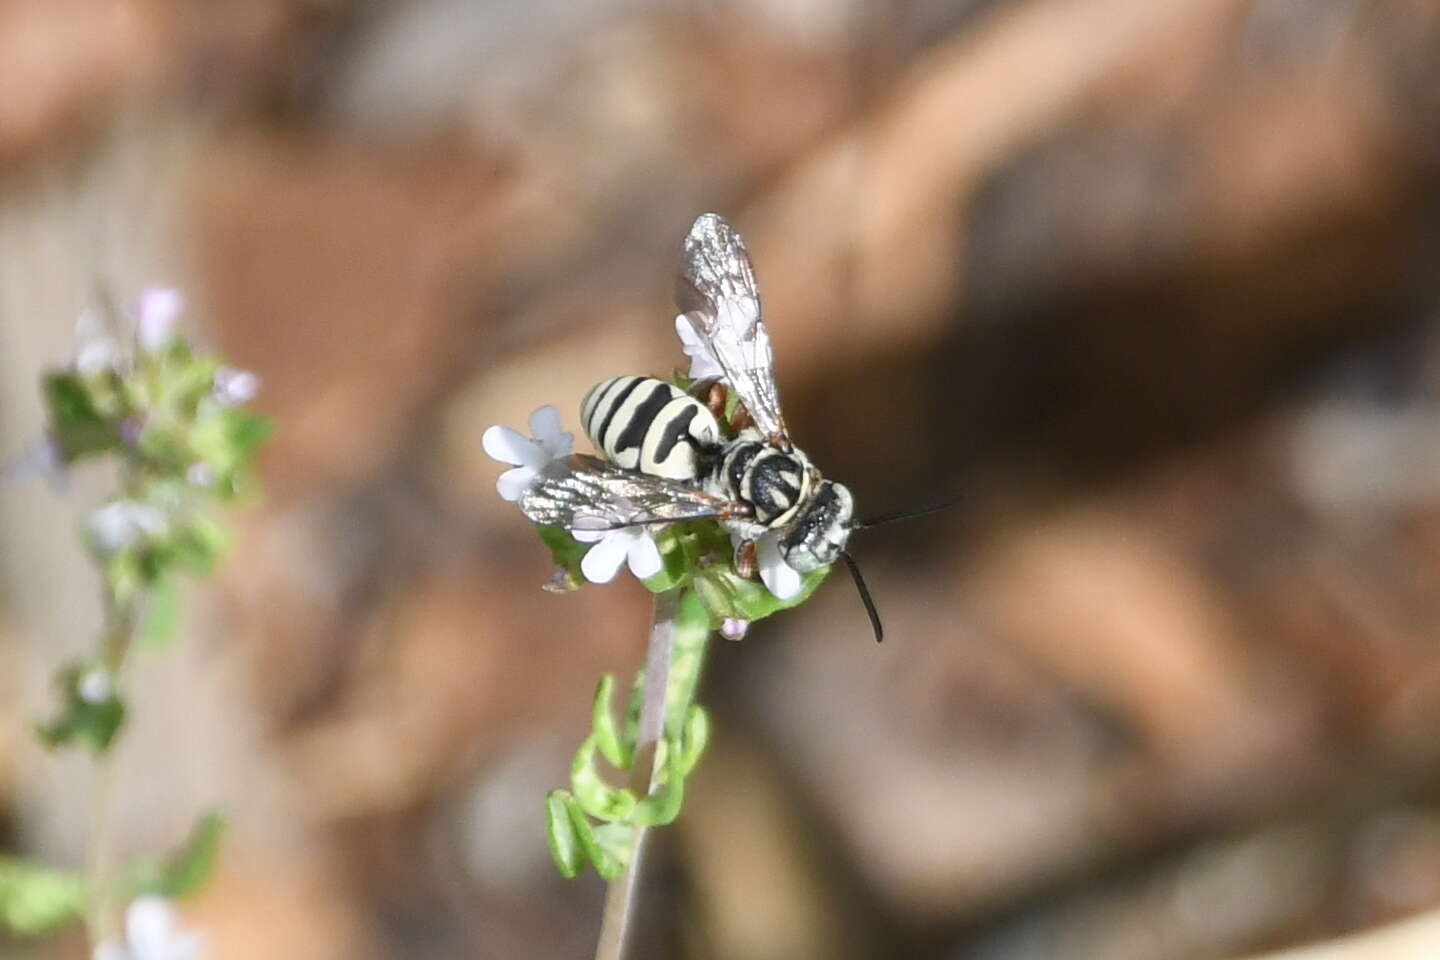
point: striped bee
(667, 457)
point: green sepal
(595, 796)
(565, 846)
(607, 736)
(186, 381)
(567, 551)
(189, 868)
(677, 558)
(35, 900)
(729, 595)
(77, 425)
(93, 725)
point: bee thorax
(775, 484)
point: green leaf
(246, 432)
(607, 847)
(94, 725)
(197, 545)
(697, 735)
(596, 797)
(187, 869)
(162, 612)
(602, 724)
(78, 426)
(662, 806)
(565, 846)
(36, 900)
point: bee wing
(586, 493)
(718, 296)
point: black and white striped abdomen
(645, 424)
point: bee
(666, 456)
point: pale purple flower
(614, 548)
(528, 455)
(118, 525)
(153, 932)
(157, 318)
(235, 387)
(702, 359)
(734, 629)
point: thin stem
(100, 923)
(620, 897)
(99, 915)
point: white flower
(778, 576)
(159, 311)
(526, 454)
(95, 686)
(613, 547)
(98, 352)
(152, 932)
(117, 525)
(234, 387)
(702, 359)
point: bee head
(818, 535)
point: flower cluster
(599, 555)
(174, 418)
(137, 394)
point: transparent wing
(586, 493)
(718, 297)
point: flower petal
(159, 310)
(589, 536)
(150, 925)
(513, 483)
(778, 576)
(508, 446)
(98, 356)
(644, 556)
(235, 387)
(110, 951)
(702, 360)
(602, 561)
(545, 423)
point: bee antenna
(909, 514)
(855, 575)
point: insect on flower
(667, 457)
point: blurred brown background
(1152, 284)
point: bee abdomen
(645, 424)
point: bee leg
(745, 563)
(741, 420)
(716, 398)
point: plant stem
(620, 896)
(100, 925)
